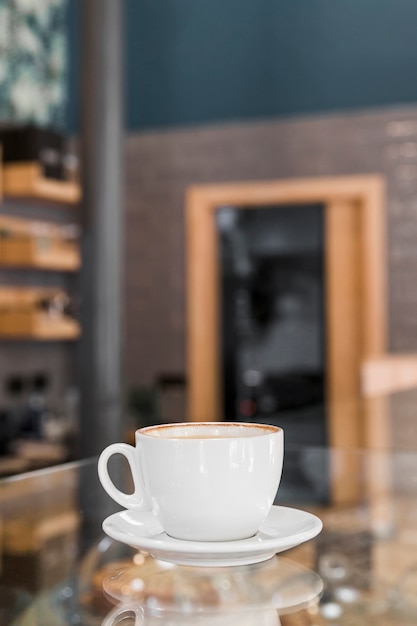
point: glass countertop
(58, 567)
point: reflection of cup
(135, 616)
(203, 481)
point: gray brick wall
(160, 166)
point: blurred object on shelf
(16, 387)
(48, 147)
(37, 313)
(32, 423)
(69, 415)
(34, 432)
(61, 425)
(6, 431)
(12, 417)
(42, 245)
(40, 421)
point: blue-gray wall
(198, 61)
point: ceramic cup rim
(267, 430)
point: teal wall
(199, 61)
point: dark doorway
(273, 332)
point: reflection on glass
(134, 616)
(159, 587)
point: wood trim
(343, 307)
(388, 374)
(377, 432)
(358, 203)
(381, 376)
(374, 271)
(202, 313)
(293, 191)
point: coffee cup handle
(119, 613)
(139, 499)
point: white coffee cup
(213, 481)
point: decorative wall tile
(33, 61)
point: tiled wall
(161, 165)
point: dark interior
(273, 331)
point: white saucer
(284, 528)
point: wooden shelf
(37, 245)
(37, 327)
(39, 452)
(25, 180)
(29, 455)
(21, 319)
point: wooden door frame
(355, 216)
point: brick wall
(160, 167)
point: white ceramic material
(119, 616)
(284, 528)
(212, 481)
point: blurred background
(208, 211)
